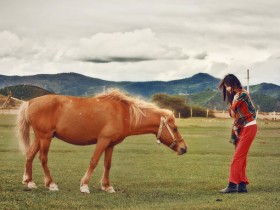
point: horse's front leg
(105, 182)
(101, 146)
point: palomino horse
(104, 120)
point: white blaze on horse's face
(169, 135)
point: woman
(242, 110)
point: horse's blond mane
(137, 107)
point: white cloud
(11, 45)
(266, 70)
(138, 45)
(129, 40)
(218, 69)
(201, 56)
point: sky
(147, 40)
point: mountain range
(80, 85)
(199, 89)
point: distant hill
(24, 92)
(263, 102)
(200, 89)
(65, 83)
(80, 85)
(266, 89)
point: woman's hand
(232, 114)
(236, 96)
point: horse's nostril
(183, 150)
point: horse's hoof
(31, 185)
(109, 189)
(84, 189)
(24, 179)
(53, 187)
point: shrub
(179, 105)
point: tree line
(180, 105)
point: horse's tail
(23, 128)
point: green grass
(147, 175)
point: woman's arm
(233, 105)
(232, 113)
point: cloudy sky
(132, 40)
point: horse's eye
(175, 129)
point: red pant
(238, 166)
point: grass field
(146, 175)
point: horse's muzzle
(182, 151)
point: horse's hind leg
(105, 182)
(44, 149)
(27, 176)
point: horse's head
(169, 135)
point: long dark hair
(232, 81)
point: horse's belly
(78, 130)
(76, 139)
(80, 142)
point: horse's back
(74, 118)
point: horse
(105, 120)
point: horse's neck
(148, 124)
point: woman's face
(229, 89)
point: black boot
(231, 188)
(242, 187)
